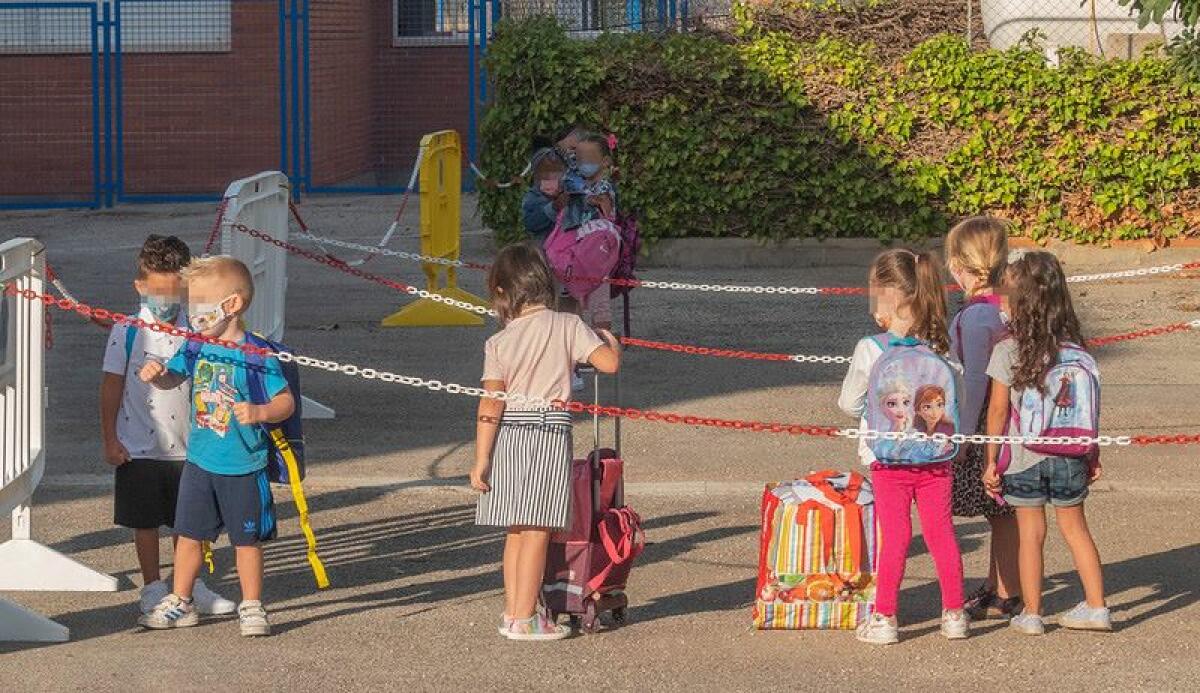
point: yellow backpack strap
(289, 457)
(206, 548)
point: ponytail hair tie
(612, 142)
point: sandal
(980, 602)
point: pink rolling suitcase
(588, 563)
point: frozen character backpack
(911, 389)
(1068, 406)
(583, 257)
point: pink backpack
(582, 258)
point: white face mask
(208, 317)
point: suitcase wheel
(575, 622)
(620, 616)
(590, 618)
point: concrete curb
(704, 253)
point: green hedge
(767, 137)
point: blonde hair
(979, 246)
(226, 269)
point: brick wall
(195, 122)
(46, 125)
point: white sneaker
(253, 619)
(151, 594)
(879, 630)
(1028, 624)
(209, 602)
(955, 624)
(1084, 617)
(171, 612)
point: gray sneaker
(1028, 624)
(253, 619)
(1084, 617)
(171, 612)
(878, 630)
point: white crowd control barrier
(24, 563)
(261, 202)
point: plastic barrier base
(429, 313)
(27, 565)
(312, 409)
(18, 624)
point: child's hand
(1095, 473)
(152, 371)
(991, 480)
(247, 414)
(115, 453)
(610, 339)
(479, 477)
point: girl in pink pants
(907, 300)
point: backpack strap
(255, 363)
(130, 336)
(882, 340)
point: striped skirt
(531, 472)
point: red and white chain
(432, 385)
(321, 241)
(1124, 274)
(330, 261)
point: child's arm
(111, 390)
(486, 425)
(157, 375)
(853, 398)
(606, 359)
(281, 406)
(997, 416)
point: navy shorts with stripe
(208, 502)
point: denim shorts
(1060, 481)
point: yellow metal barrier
(441, 235)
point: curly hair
(1042, 318)
(165, 254)
(916, 276)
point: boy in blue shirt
(224, 482)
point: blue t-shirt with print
(217, 442)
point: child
(144, 429)
(523, 454)
(907, 301)
(976, 254)
(1042, 320)
(545, 197)
(224, 482)
(592, 208)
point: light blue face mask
(589, 170)
(163, 308)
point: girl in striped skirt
(523, 451)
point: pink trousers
(896, 489)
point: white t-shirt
(853, 398)
(151, 423)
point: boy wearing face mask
(224, 484)
(545, 198)
(144, 430)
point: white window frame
(218, 16)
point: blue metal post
(483, 39)
(662, 15)
(283, 120)
(97, 184)
(472, 88)
(295, 31)
(307, 174)
(106, 23)
(118, 108)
